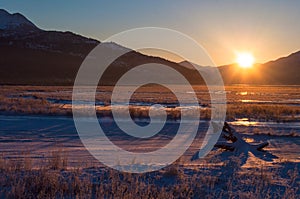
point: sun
(245, 60)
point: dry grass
(33, 100)
(278, 113)
(54, 180)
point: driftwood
(235, 141)
(232, 141)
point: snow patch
(13, 21)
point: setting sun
(245, 60)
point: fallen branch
(232, 141)
(235, 141)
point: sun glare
(245, 60)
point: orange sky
(269, 29)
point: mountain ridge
(15, 21)
(54, 57)
(42, 57)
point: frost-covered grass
(52, 179)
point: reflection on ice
(244, 122)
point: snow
(41, 135)
(12, 21)
(189, 65)
(114, 46)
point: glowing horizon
(268, 29)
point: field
(262, 103)
(42, 155)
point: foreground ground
(45, 158)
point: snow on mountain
(18, 32)
(14, 21)
(190, 65)
(115, 46)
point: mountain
(32, 56)
(283, 71)
(189, 65)
(18, 32)
(15, 22)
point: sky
(268, 29)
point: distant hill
(32, 56)
(283, 71)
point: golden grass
(12, 101)
(53, 181)
(279, 113)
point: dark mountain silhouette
(14, 23)
(283, 71)
(32, 56)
